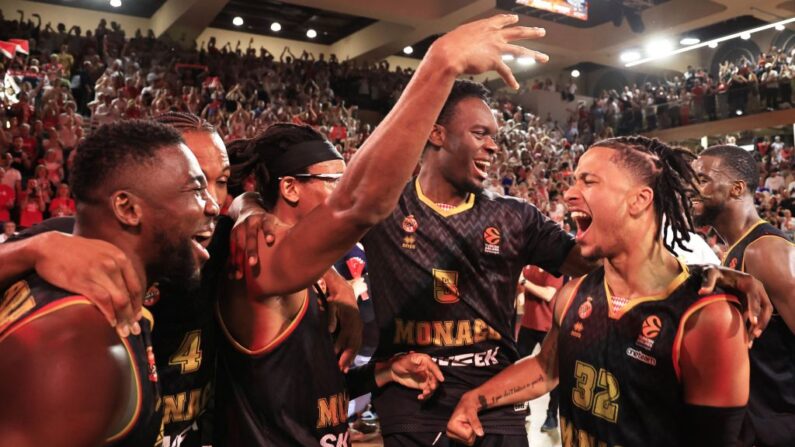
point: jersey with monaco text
(288, 393)
(619, 362)
(444, 282)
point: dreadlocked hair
(185, 122)
(666, 169)
(260, 151)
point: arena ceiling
(374, 29)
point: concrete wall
(69, 16)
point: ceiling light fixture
(716, 41)
(237, 21)
(629, 56)
(713, 45)
(408, 50)
(689, 41)
(310, 33)
(575, 73)
(780, 27)
(276, 27)
(115, 3)
(745, 36)
(507, 57)
(659, 46)
(526, 61)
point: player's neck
(286, 214)
(121, 241)
(439, 190)
(735, 220)
(642, 270)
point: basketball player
(640, 357)
(58, 356)
(270, 318)
(728, 178)
(184, 339)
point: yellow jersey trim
(467, 204)
(273, 343)
(569, 300)
(747, 232)
(742, 267)
(673, 285)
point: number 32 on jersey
(604, 403)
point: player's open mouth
(200, 242)
(482, 167)
(583, 221)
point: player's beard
(176, 266)
(709, 214)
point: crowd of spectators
(72, 81)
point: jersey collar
(467, 204)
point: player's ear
(738, 189)
(289, 188)
(437, 136)
(641, 199)
(127, 208)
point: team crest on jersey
(445, 286)
(649, 331)
(491, 239)
(410, 224)
(733, 263)
(585, 309)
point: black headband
(302, 155)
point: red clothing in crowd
(537, 312)
(31, 213)
(338, 133)
(6, 199)
(60, 207)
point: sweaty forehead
(473, 111)
(208, 148)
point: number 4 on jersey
(189, 354)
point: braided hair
(255, 156)
(666, 169)
(185, 122)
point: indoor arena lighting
(629, 56)
(780, 27)
(710, 42)
(689, 41)
(310, 33)
(237, 21)
(713, 45)
(745, 36)
(661, 46)
(507, 57)
(575, 73)
(276, 27)
(408, 50)
(115, 3)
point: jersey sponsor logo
(476, 359)
(733, 263)
(443, 333)
(492, 238)
(16, 302)
(585, 309)
(576, 330)
(637, 355)
(445, 286)
(332, 411)
(335, 440)
(649, 331)
(185, 406)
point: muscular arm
(372, 184)
(772, 261)
(63, 385)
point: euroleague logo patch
(650, 329)
(492, 238)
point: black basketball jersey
(619, 363)
(32, 298)
(771, 405)
(444, 283)
(288, 393)
(184, 341)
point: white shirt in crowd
(700, 252)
